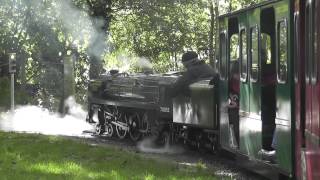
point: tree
(162, 30)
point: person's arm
(180, 85)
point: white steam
(82, 27)
(125, 63)
(143, 63)
(76, 22)
(33, 119)
(147, 145)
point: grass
(33, 156)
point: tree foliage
(112, 33)
(162, 30)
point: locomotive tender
(275, 45)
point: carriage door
(223, 84)
(252, 124)
(284, 90)
(268, 76)
(233, 82)
(244, 105)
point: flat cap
(190, 55)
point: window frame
(296, 41)
(256, 27)
(281, 81)
(223, 76)
(243, 79)
(230, 49)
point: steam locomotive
(275, 45)
(140, 105)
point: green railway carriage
(256, 39)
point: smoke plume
(148, 145)
(33, 119)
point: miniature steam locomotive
(140, 105)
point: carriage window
(223, 56)
(307, 40)
(265, 49)
(313, 45)
(234, 47)
(309, 29)
(244, 60)
(282, 51)
(315, 61)
(254, 54)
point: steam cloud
(33, 119)
(147, 145)
(76, 22)
(79, 24)
(126, 63)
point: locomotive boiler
(135, 104)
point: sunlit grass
(25, 156)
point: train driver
(195, 70)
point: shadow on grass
(48, 157)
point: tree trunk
(100, 10)
(212, 19)
(216, 42)
(175, 61)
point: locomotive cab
(198, 109)
(195, 115)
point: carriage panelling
(312, 92)
(299, 90)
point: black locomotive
(140, 105)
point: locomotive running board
(145, 105)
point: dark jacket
(195, 71)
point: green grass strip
(37, 157)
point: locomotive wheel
(213, 148)
(122, 132)
(100, 125)
(198, 144)
(145, 123)
(99, 129)
(109, 130)
(135, 124)
(164, 138)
